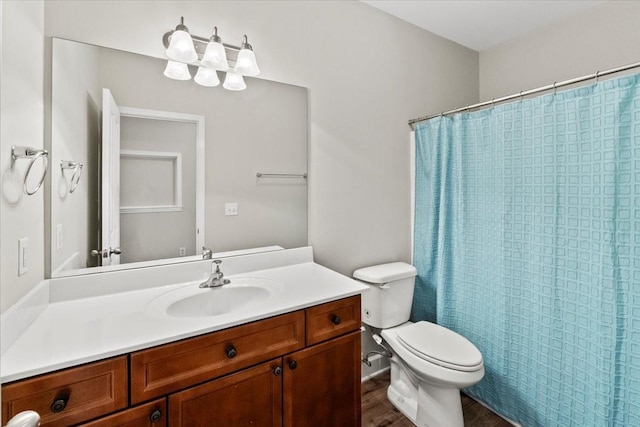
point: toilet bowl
(429, 363)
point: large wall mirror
(145, 169)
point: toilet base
(426, 405)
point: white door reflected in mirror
(110, 180)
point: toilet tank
(388, 301)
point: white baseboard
(379, 364)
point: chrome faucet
(217, 277)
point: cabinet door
(152, 414)
(252, 397)
(322, 384)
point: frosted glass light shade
(234, 81)
(181, 47)
(246, 63)
(207, 77)
(215, 57)
(177, 71)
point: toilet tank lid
(384, 273)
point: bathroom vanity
(289, 362)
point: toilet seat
(440, 346)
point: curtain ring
(597, 78)
(521, 97)
(555, 88)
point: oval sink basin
(193, 301)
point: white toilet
(430, 364)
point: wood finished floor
(377, 411)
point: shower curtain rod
(554, 86)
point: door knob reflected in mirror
(105, 253)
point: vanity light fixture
(206, 77)
(214, 55)
(211, 55)
(234, 81)
(246, 64)
(181, 47)
(177, 70)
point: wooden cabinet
(296, 369)
(70, 396)
(152, 414)
(335, 318)
(171, 367)
(252, 397)
(322, 384)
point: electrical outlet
(183, 251)
(231, 209)
(23, 256)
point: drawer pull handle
(335, 319)
(155, 415)
(277, 371)
(231, 352)
(59, 403)
(293, 365)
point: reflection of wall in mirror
(160, 234)
(75, 134)
(263, 128)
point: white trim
(412, 169)
(199, 121)
(67, 264)
(177, 183)
(375, 374)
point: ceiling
(481, 24)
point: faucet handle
(206, 253)
(217, 262)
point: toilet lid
(440, 346)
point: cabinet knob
(155, 415)
(231, 352)
(293, 365)
(335, 319)
(59, 403)
(277, 371)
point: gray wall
(263, 128)
(21, 123)
(156, 235)
(600, 38)
(367, 74)
(75, 132)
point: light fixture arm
(245, 43)
(181, 26)
(215, 37)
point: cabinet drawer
(70, 396)
(252, 397)
(168, 368)
(152, 414)
(335, 318)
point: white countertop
(75, 331)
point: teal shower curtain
(527, 242)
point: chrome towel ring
(18, 152)
(77, 171)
